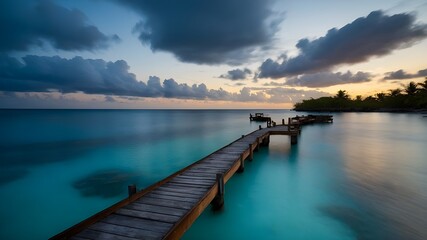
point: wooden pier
(166, 209)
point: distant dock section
(166, 209)
(309, 119)
(259, 117)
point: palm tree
(411, 88)
(423, 85)
(395, 92)
(380, 96)
(342, 94)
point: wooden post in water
(218, 201)
(260, 127)
(242, 164)
(251, 152)
(267, 140)
(283, 121)
(131, 190)
(294, 139)
(257, 144)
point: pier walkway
(166, 209)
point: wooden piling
(294, 139)
(131, 190)
(265, 141)
(218, 201)
(242, 164)
(257, 144)
(260, 127)
(251, 152)
(283, 121)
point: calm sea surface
(362, 177)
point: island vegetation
(413, 97)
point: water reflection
(382, 164)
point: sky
(225, 54)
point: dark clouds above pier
(237, 74)
(377, 34)
(402, 74)
(25, 24)
(206, 32)
(96, 76)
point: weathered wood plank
(147, 215)
(192, 182)
(178, 194)
(157, 209)
(125, 231)
(199, 173)
(208, 177)
(213, 167)
(155, 226)
(166, 203)
(93, 234)
(187, 186)
(173, 198)
(207, 170)
(218, 163)
(191, 191)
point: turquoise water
(362, 177)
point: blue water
(362, 177)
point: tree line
(411, 98)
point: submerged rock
(105, 184)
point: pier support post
(242, 164)
(266, 141)
(283, 121)
(260, 127)
(218, 201)
(294, 139)
(251, 152)
(257, 144)
(131, 190)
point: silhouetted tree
(395, 92)
(411, 88)
(380, 96)
(423, 85)
(342, 94)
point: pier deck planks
(167, 209)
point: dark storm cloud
(236, 74)
(24, 24)
(92, 76)
(374, 35)
(96, 76)
(326, 79)
(205, 32)
(401, 74)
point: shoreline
(382, 110)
